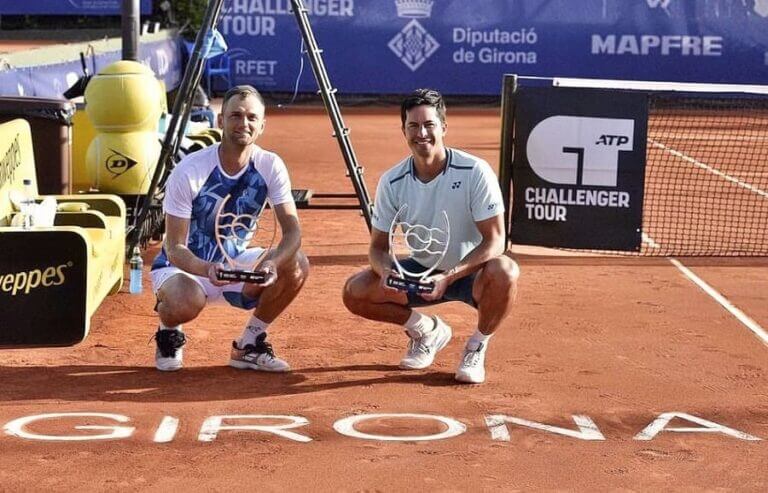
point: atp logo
(118, 163)
(576, 150)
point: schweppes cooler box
(43, 279)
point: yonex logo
(575, 150)
(413, 45)
(456, 185)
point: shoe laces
(261, 346)
(472, 356)
(416, 345)
(169, 341)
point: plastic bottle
(137, 264)
(26, 207)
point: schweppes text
(23, 282)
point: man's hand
(441, 283)
(386, 274)
(213, 269)
(269, 269)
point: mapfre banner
(578, 168)
(465, 46)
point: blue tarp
(50, 81)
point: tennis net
(706, 173)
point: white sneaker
(259, 356)
(422, 349)
(169, 354)
(472, 365)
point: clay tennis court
(600, 346)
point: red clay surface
(620, 340)
(14, 45)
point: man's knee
(501, 273)
(180, 299)
(300, 269)
(355, 289)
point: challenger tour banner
(464, 47)
(68, 7)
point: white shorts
(229, 293)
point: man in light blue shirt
(435, 182)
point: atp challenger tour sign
(578, 168)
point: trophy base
(250, 277)
(410, 285)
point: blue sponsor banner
(465, 46)
(50, 81)
(68, 7)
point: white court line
(712, 170)
(650, 241)
(740, 315)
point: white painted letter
(587, 428)
(663, 420)
(212, 426)
(346, 427)
(167, 429)
(16, 427)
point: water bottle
(137, 264)
(27, 205)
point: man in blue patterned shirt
(184, 274)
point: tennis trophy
(234, 232)
(408, 240)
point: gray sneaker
(422, 349)
(472, 365)
(169, 353)
(259, 356)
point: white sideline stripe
(740, 315)
(651, 242)
(712, 170)
(716, 138)
(647, 85)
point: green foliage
(190, 12)
(170, 13)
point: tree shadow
(194, 384)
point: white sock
(477, 339)
(419, 324)
(169, 327)
(253, 329)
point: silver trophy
(408, 240)
(236, 231)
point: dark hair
(242, 91)
(419, 97)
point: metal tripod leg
(328, 93)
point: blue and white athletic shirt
(198, 184)
(467, 190)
